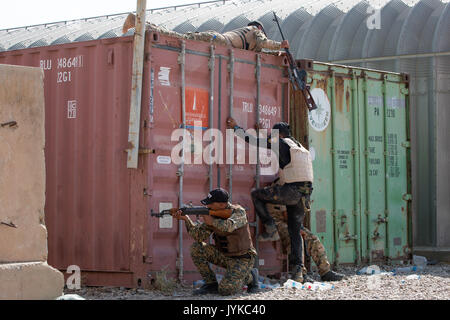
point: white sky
(19, 13)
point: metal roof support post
(136, 86)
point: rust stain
(347, 98)
(339, 93)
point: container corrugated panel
(97, 210)
(358, 137)
(87, 207)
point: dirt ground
(433, 283)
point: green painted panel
(396, 146)
(358, 139)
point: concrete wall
(24, 273)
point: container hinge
(407, 197)
(353, 152)
(179, 173)
(147, 193)
(406, 144)
(332, 151)
(366, 212)
(405, 91)
(146, 151)
(366, 153)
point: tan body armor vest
(236, 243)
(300, 168)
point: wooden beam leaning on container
(232, 250)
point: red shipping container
(98, 211)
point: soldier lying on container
(314, 248)
(233, 248)
(130, 22)
(296, 177)
(252, 37)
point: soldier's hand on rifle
(231, 123)
(285, 44)
(177, 215)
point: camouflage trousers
(237, 269)
(208, 36)
(314, 248)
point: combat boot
(332, 276)
(297, 274)
(253, 287)
(271, 233)
(206, 289)
(307, 278)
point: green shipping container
(359, 140)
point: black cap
(257, 23)
(283, 128)
(216, 195)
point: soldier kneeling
(233, 248)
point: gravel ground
(433, 284)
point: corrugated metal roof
(316, 29)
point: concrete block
(30, 281)
(23, 236)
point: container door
(315, 131)
(358, 139)
(332, 141)
(384, 167)
(166, 182)
(247, 76)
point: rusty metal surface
(162, 179)
(87, 208)
(97, 210)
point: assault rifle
(297, 76)
(195, 210)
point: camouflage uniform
(248, 38)
(130, 22)
(237, 269)
(209, 36)
(154, 28)
(314, 248)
